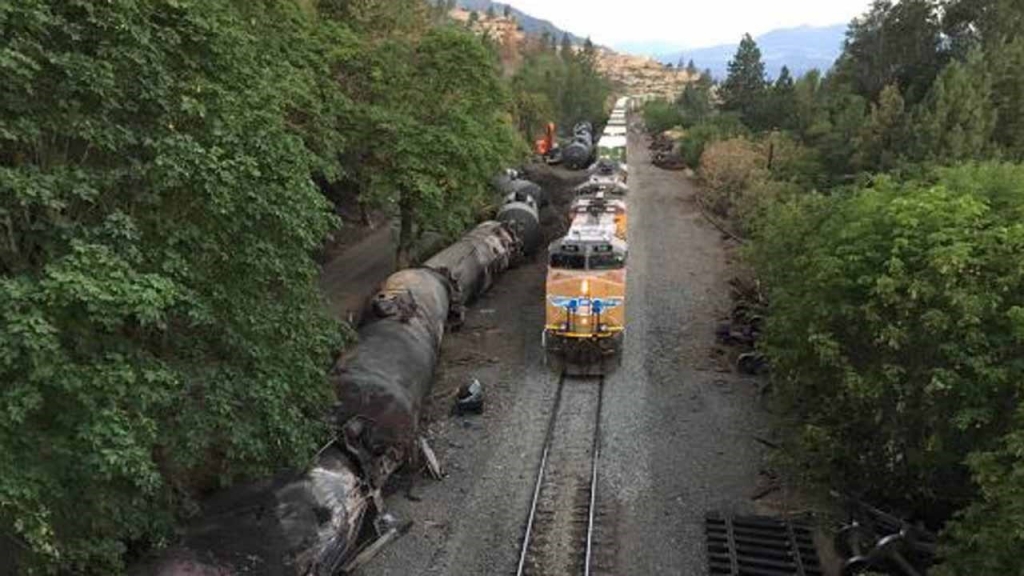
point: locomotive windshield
(598, 257)
(610, 261)
(569, 261)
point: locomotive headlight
(585, 287)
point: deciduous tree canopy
(161, 333)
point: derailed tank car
(579, 153)
(317, 522)
(520, 215)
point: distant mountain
(652, 48)
(801, 49)
(530, 25)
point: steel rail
(542, 472)
(595, 456)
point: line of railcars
(326, 519)
(585, 319)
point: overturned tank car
(579, 153)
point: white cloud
(686, 23)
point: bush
(986, 538)
(661, 115)
(729, 169)
(792, 162)
(896, 337)
(720, 127)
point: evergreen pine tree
(566, 50)
(883, 138)
(1006, 62)
(781, 112)
(958, 118)
(744, 89)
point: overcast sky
(686, 23)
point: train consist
(331, 518)
(586, 281)
(612, 144)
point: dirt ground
(679, 426)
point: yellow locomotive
(586, 290)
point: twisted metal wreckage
(315, 522)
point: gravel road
(677, 424)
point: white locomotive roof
(612, 141)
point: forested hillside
(884, 202)
(166, 173)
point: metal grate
(759, 546)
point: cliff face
(638, 76)
(642, 77)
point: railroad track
(561, 534)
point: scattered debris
(768, 485)
(752, 363)
(876, 541)
(661, 142)
(433, 466)
(744, 327)
(470, 398)
(670, 160)
(387, 536)
(767, 442)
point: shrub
(986, 537)
(719, 127)
(661, 115)
(729, 169)
(895, 336)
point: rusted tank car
(579, 153)
(311, 523)
(521, 215)
(474, 262)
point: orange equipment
(546, 145)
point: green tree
(695, 102)
(566, 49)
(883, 140)
(490, 12)
(985, 537)
(806, 102)
(161, 330)
(895, 335)
(971, 24)
(691, 69)
(437, 113)
(836, 125)
(893, 43)
(957, 119)
(744, 89)
(508, 11)
(1005, 62)
(780, 112)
